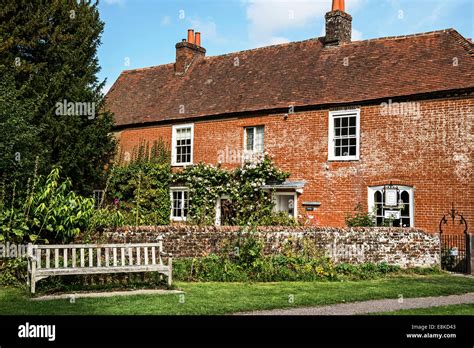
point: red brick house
(346, 118)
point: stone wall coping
(266, 229)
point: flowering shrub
(251, 205)
(206, 183)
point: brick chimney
(338, 24)
(187, 52)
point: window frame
(174, 162)
(411, 199)
(98, 196)
(332, 138)
(254, 142)
(178, 189)
(295, 201)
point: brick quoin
(431, 152)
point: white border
(295, 199)
(173, 189)
(173, 145)
(331, 155)
(411, 192)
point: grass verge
(223, 298)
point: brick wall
(431, 152)
(404, 247)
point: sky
(143, 33)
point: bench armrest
(166, 254)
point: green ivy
(141, 192)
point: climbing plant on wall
(251, 204)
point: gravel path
(374, 306)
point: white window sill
(344, 159)
(178, 219)
(181, 164)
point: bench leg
(33, 277)
(33, 286)
(170, 271)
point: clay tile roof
(299, 73)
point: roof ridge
(146, 68)
(265, 47)
(398, 37)
(461, 40)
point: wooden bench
(80, 259)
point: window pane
(352, 121)
(183, 145)
(338, 151)
(406, 210)
(405, 197)
(250, 134)
(378, 197)
(352, 130)
(285, 203)
(337, 122)
(345, 122)
(352, 150)
(259, 136)
(177, 197)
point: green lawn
(464, 309)
(222, 298)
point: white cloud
(208, 30)
(269, 19)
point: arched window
(401, 215)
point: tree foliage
(49, 49)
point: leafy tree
(50, 50)
(19, 141)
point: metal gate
(454, 255)
(455, 251)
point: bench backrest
(96, 255)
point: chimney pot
(338, 5)
(198, 39)
(191, 36)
